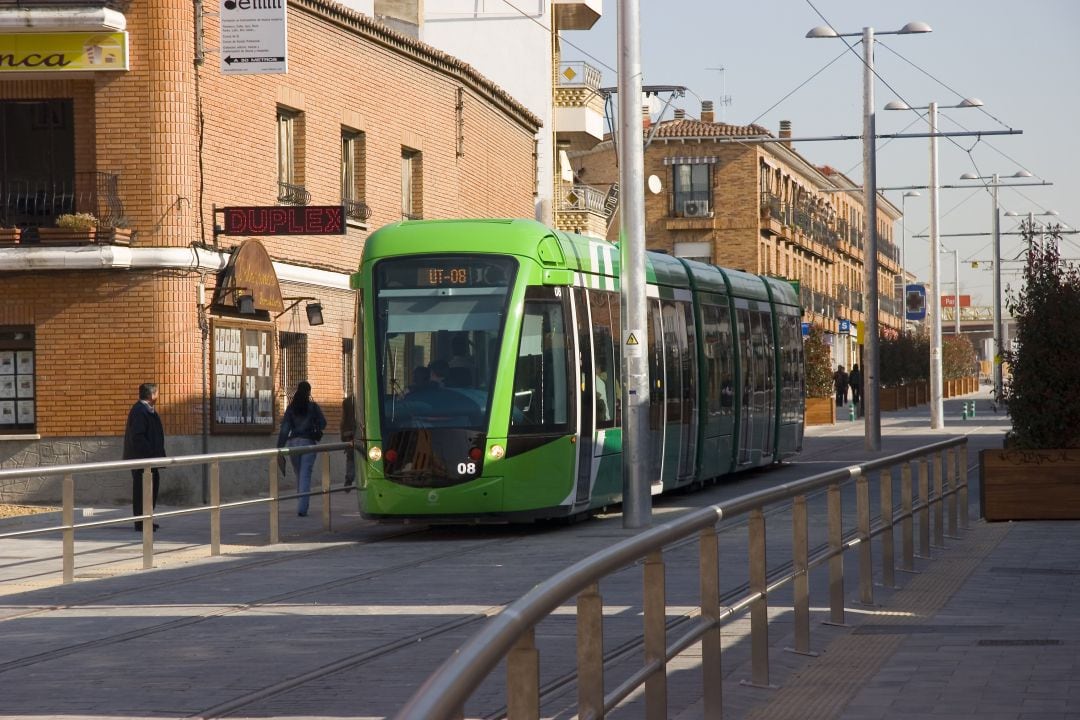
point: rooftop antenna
(724, 100)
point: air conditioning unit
(696, 208)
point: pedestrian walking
(840, 385)
(144, 437)
(302, 426)
(855, 380)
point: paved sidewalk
(986, 629)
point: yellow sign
(63, 52)
(631, 340)
(860, 332)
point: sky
(1021, 59)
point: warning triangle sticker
(631, 340)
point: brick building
(760, 207)
(135, 131)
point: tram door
(657, 409)
(586, 399)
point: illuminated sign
(442, 276)
(63, 52)
(284, 220)
(915, 302)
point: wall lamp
(313, 309)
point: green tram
(489, 372)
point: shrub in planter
(77, 221)
(819, 382)
(1043, 394)
(958, 358)
(904, 359)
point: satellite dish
(654, 185)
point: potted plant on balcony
(71, 229)
(820, 401)
(10, 236)
(1036, 476)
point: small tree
(1043, 394)
(958, 358)
(904, 359)
(819, 382)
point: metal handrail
(510, 634)
(215, 506)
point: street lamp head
(970, 176)
(913, 28)
(897, 105)
(912, 193)
(822, 31)
(1011, 213)
(970, 102)
(1051, 212)
(1022, 174)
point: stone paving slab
(340, 624)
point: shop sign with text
(63, 52)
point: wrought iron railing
(290, 194)
(37, 202)
(356, 209)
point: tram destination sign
(283, 220)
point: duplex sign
(254, 36)
(284, 220)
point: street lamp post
(871, 361)
(956, 289)
(933, 309)
(903, 242)
(995, 183)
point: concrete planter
(10, 236)
(1029, 484)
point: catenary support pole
(871, 362)
(637, 498)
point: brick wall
(100, 333)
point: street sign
(845, 327)
(253, 37)
(284, 220)
(915, 302)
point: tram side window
(541, 385)
(719, 370)
(605, 319)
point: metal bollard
(963, 411)
(851, 412)
(971, 412)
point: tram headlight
(497, 451)
(374, 453)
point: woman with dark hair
(302, 426)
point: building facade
(743, 198)
(520, 48)
(153, 139)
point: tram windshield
(439, 325)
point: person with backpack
(302, 426)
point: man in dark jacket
(144, 437)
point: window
(605, 320)
(242, 362)
(18, 411)
(412, 190)
(293, 365)
(347, 388)
(692, 184)
(289, 158)
(353, 163)
(541, 377)
(719, 364)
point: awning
(61, 19)
(683, 160)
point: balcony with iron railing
(32, 203)
(584, 209)
(579, 106)
(356, 210)
(292, 194)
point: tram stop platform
(324, 625)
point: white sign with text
(254, 37)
